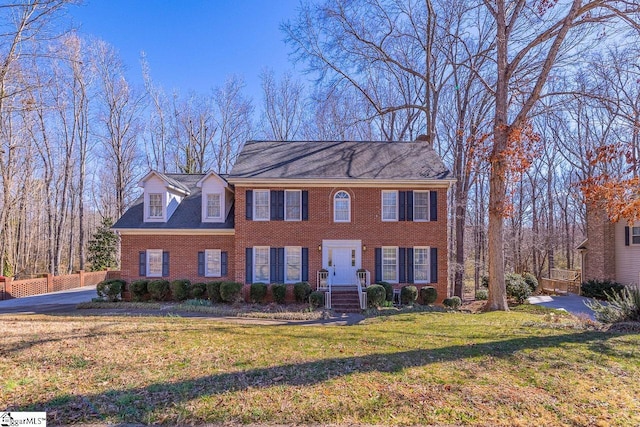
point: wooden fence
(10, 288)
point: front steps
(344, 299)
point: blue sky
(193, 44)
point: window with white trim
(293, 205)
(293, 264)
(261, 207)
(261, 264)
(421, 206)
(389, 205)
(155, 205)
(214, 206)
(635, 235)
(390, 264)
(342, 207)
(213, 263)
(421, 266)
(154, 262)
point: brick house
(330, 213)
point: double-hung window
(390, 264)
(213, 263)
(154, 262)
(293, 205)
(155, 205)
(635, 235)
(389, 205)
(342, 207)
(261, 205)
(421, 264)
(421, 206)
(261, 264)
(293, 264)
(214, 206)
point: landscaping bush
(258, 292)
(623, 306)
(429, 294)
(376, 295)
(301, 291)
(517, 288)
(180, 289)
(316, 299)
(388, 290)
(484, 281)
(111, 289)
(138, 289)
(531, 281)
(213, 291)
(601, 289)
(279, 292)
(408, 294)
(482, 295)
(231, 292)
(158, 289)
(453, 302)
(198, 290)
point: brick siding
(600, 259)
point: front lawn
(516, 368)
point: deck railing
(562, 282)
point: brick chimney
(599, 261)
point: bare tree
(284, 106)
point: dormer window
(155, 205)
(214, 210)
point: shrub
(484, 281)
(198, 290)
(388, 290)
(158, 289)
(316, 299)
(111, 289)
(601, 288)
(180, 289)
(482, 295)
(279, 292)
(376, 295)
(531, 281)
(623, 306)
(213, 291)
(453, 302)
(231, 292)
(429, 294)
(258, 292)
(408, 294)
(517, 288)
(138, 289)
(301, 291)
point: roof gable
(171, 183)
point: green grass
(517, 368)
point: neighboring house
(288, 210)
(611, 250)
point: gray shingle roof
(188, 214)
(339, 160)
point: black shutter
(142, 263)
(402, 265)
(224, 263)
(433, 209)
(249, 203)
(626, 235)
(305, 205)
(280, 211)
(433, 259)
(200, 263)
(401, 206)
(305, 264)
(409, 201)
(280, 265)
(378, 265)
(273, 265)
(165, 264)
(274, 205)
(410, 278)
(248, 262)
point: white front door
(342, 258)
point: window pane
(341, 208)
(261, 203)
(389, 264)
(154, 263)
(389, 205)
(421, 264)
(261, 265)
(292, 205)
(421, 205)
(294, 264)
(213, 263)
(213, 205)
(155, 205)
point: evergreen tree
(103, 247)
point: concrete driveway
(572, 303)
(54, 302)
